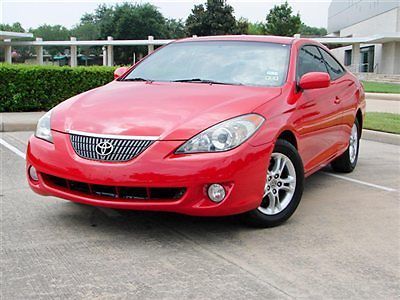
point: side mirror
(120, 71)
(314, 80)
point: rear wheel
(283, 187)
(346, 162)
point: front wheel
(283, 187)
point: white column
(390, 61)
(355, 57)
(74, 53)
(39, 52)
(150, 46)
(110, 53)
(7, 52)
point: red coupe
(207, 126)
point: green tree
(52, 33)
(90, 26)
(257, 28)
(312, 31)
(280, 21)
(242, 26)
(15, 27)
(215, 17)
(86, 31)
(127, 21)
(175, 29)
(102, 18)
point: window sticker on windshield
(272, 76)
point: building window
(367, 59)
(347, 57)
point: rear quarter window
(334, 68)
(309, 60)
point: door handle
(337, 100)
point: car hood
(170, 111)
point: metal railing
(107, 46)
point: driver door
(318, 115)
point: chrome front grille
(108, 148)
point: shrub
(34, 88)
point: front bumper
(241, 171)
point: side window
(334, 68)
(310, 60)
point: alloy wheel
(280, 185)
(353, 147)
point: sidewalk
(386, 103)
(385, 106)
(22, 121)
(383, 96)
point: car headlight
(223, 136)
(43, 130)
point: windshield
(224, 62)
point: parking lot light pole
(39, 52)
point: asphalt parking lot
(343, 242)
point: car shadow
(110, 221)
(144, 225)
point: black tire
(256, 218)
(343, 163)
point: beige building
(371, 29)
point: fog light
(33, 174)
(216, 192)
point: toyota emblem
(104, 148)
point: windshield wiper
(137, 79)
(199, 80)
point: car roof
(247, 38)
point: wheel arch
(289, 136)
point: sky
(31, 13)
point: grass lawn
(380, 87)
(382, 122)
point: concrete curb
(17, 127)
(382, 137)
(382, 96)
(23, 121)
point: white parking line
(12, 148)
(380, 187)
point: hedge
(35, 88)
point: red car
(207, 126)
